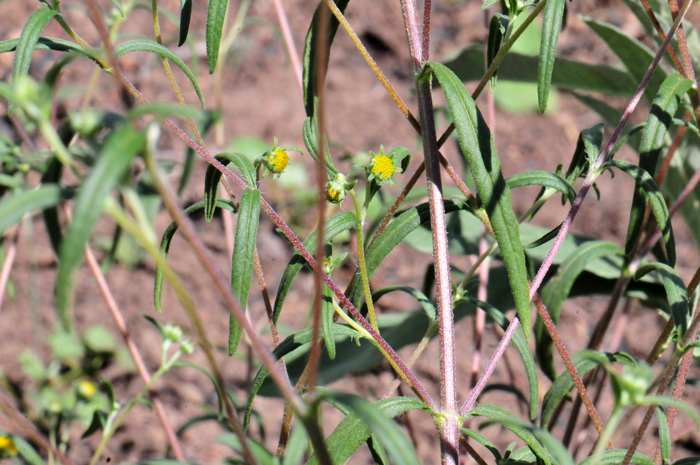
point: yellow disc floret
(382, 168)
(86, 389)
(277, 160)
(8, 445)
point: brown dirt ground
(262, 99)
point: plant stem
(10, 255)
(289, 41)
(362, 262)
(448, 425)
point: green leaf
(97, 423)
(216, 14)
(551, 25)
(327, 313)
(658, 123)
(311, 53)
(296, 446)
(113, 161)
(688, 461)
(484, 442)
(422, 299)
(142, 45)
(568, 74)
(213, 176)
(584, 362)
(334, 226)
(243, 259)
(497, 29)
(477, 144)
(14, 207)
(47, 43)
(168, 237)
(542, 178)
(28, 41)
(520, 344)
(664, 435)
(118, 6)
(516, 425)
(185, 16)
(27, 452)
(289, 345)
(263, 456)
(675, 290)
(615, 456)
(370, 418)
(633, 54)
(557, 291)
(656, 199)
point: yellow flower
(8, 445)
(276, 160)
(382, 168)
(86, 389)
(336, 189)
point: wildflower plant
(97, 163)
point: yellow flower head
(382, 168)
(336, 189)
(86, 389)
(276, 160)
(8, 445)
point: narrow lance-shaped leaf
(675, 291)
(167, 239)
(185, 16)
(243, 259)
(212, 177)
(27, 42)
(542, 178)
(551, 25)
(311, 52)
(216, 14)
(663, 109)
(634, 55)
(557, 291)
(477, 144)
(615, 457)
(568, 74)
(516, 425)
(497, 29)
(115, 158)
(583, 362)
(327, 312)
(118, 6)
(656, 199)
(141, 45)
(366, 418)
(14, 207)
(664, 435)
(52, 175)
